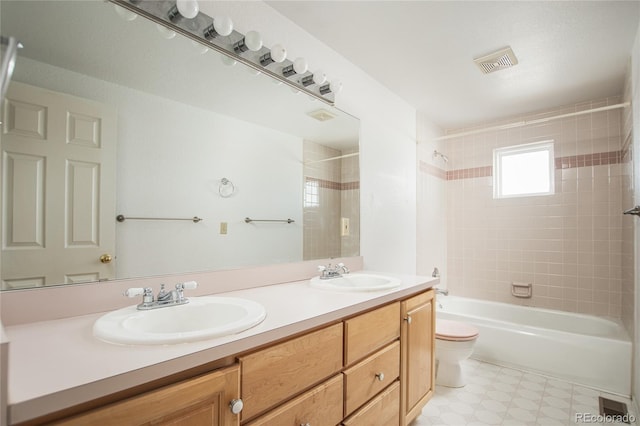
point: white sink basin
(202, 318)
(356, 282)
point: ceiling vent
(321, 115)
(496, 61)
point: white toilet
(454, 344)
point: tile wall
(331, 192)
(569, 244)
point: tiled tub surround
(569, 244)
(39, 384)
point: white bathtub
(582, 349)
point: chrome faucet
(328, 272)
(444, 292)
(164, 298)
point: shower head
(437, 154)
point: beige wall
(569, 244)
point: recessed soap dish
(522, 290)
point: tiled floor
(502, 396)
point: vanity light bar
(200, 29)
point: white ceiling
(568, 51)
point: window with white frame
(523, 170)
(311, 193)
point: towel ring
(226, 188)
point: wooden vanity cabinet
(201, 401)
(418, 354)
(375, 368)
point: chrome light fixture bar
(201, 29)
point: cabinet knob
(236, 406)
(380, 376)
(408, 319)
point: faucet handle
(322, 268)
(189, 285)
(134, 291)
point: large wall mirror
(107, 117)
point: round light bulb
(319, 77)
(300, 65)
(336, 86)
(188, 8)
(228, 60)
(223, 25)
(253, 41)
(125, 14)
(165, 32)
(278, 53)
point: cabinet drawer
(367, 378)
(275, 374)
(368, 332)
(383, 410)
(321, 405)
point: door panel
(58, 188)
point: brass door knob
(106, 258)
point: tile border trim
(567, 162)
(328, 184)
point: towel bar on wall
(249, 220)
(121, 218)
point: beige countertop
(57, 364)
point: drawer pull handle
(408, 319)
(236, 406)
(305, 424)
(380, 376)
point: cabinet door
(417, 352)
(194, 402)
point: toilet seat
(455, 331)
